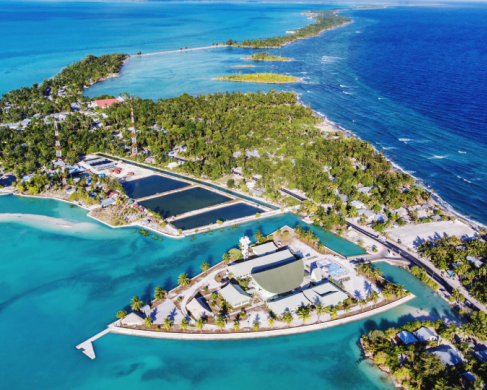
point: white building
(245, 242)
(133, 319)
(426, 334)
(235, 295)
(264, 249)
(244, 269)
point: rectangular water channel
(151, 185)
(184, 201)
(235, 211)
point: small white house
(133, 319)
(474, 261)
(426, 334)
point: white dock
(87, 345)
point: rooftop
(264, 249)
(406, 337)
(425, 334)
(289, 303)
(448, 355)
(281, 277)
(235, 295)
(245, 268)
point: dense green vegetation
(421, 274)
(324, 20)
(219, 131)
(23, 103)
(262, 78)
(265, 56)
(450, 253)
(419, 369)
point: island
(242, 156)
(265, 56)
(428, 355)
(262, 289)
(261, 78)
(324, 20)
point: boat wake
(468, 181)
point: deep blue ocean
(411, 80)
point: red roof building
(103, 103)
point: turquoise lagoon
(61, 285)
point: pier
(87, 346)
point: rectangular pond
(235, 211)
(151, 185)
(184, 201)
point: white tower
(245, 242)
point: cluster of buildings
(280, 279)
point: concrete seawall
(259, 334)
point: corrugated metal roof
(289, 303)
(425, 334)
(245, 268)
(407, 337)
(268, 247)
(234, 295)
(280, 278)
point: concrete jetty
(87, 346)
(165, 193)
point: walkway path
(178, 51)
(165, 193)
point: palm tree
(287, 318)
(200, 324)
(346, 307)
(386, 294)
(374, 297)
(183, 280)
(205, 266)
(362, 303)
(236, 326)
(304, 313)
(167, 323)
(184, 324)
(220, 322)
(377, 273)
(256, 325)
(147, 322)
(334, 312)
(320, 310)
(135, 303)
(400, 290)
(121, 315)
(159, 293)
(271, 321)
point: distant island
(263, 78)
(265, 56)
(324, 20)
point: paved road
(432, 271)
